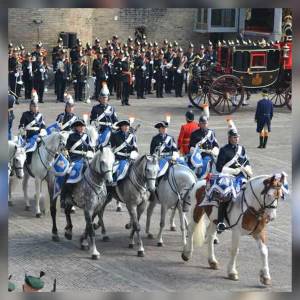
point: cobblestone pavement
(119, 268)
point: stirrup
(221, 227)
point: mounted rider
(67, 118)
(203, 142)
(104, 116)
(166, 147)
(32, 126)
(123, 143)
(232, 160)
(78, 147)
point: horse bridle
(13, 159)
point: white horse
(16, 160)
(41, 163)
(173, 190)
(254, 208)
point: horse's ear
(100, 148)
(282, 177)
(16, 147)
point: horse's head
(275, 188)
(102, 163)
(56, 141)
(18, 161)
(151, 171)
(220, 188)
(93, 134)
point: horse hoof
(106, 238)
(233, 277)
(214, 265)
(159, 244)
(84, 247)
(119, 209)
(140, 254)
(27, 208)
(264, 280)
(130, 246)
(150, 236)
(55, 238)
(38, 215)
(128, 226)
(173, 228)
(216, 241)
(95, 256)
(184, 257)
(68, 236)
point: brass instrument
(182, 63)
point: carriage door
(258, 61)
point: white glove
(84, 81)
(134, 155)
(248, 170)
(16, 74)
(215, 151)
(151, 62)
(144, 68)
(43, 132)
(75, 81)
(42, 70)
(192, 150)
(178, 71)
(22, 131)
(175, 155)
(153, 80)
(114, 126)
(231, 171)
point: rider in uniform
(104, 116)
(205, 139)
(78, 146)
(124, 145)
(33, 125)
(67, 118)
(232, 160)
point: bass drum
(90, 88)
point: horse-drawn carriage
(241, 69)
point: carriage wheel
(226, 94)
(198, 94)
(288, 97)
(277, 96)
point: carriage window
(258, 60)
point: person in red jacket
(185, 132)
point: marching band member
(79, 74)
(12, 70)
(140, 74)
(159, 73)
(27, 75)
(40, 69)
(178, 67)
(126, 81)
(99, 71)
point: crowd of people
(131, 67)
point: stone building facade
(160, 23)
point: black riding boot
(261, 142)
(221, 215)
(265, 142)
(28, 157)
(66, 189)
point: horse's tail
(199, 232)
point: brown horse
(253, 209)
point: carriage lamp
(131, 120)
(168, 117)
(85, 117)
(286, 51)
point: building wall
(169, 23)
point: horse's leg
(231, 270)
(133, 218)
(37, 197)
(69, 226)
(91, 232)
(25, 190)
(150, 208)
(140, 209)
(84, 244)
(11, 185)
(265, 277)
(172, 217)
(55, 236)
(182, 224)
(211, 233)
(163, 212)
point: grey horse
(134, 191)
(175, 190)
(89, 194)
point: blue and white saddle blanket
(164, 164)
(104, 137)
(120, 169)
(53, 128)
(31, 143)
(62, 167)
